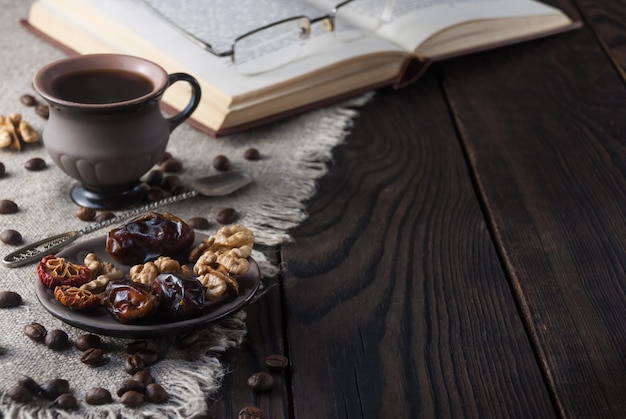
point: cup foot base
(109, 198)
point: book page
(414, 21)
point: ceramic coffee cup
(106, 128)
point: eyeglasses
(279, 43)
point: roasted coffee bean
(57, 340)
(55, 387)
(85, 214)
(252, 154)
(30, 384)
(7, 206)
(154, 177)
(35, 164)
(130, 385)
(251, 412)
(155, 393)
(133, 363)
(28, 100)
(155, 194)
(36, 332)
(144, 376)
(93, 357)
(65, 401)
(10, 299)
(43, 111)
(103, 216)
(11, 237)
(136, 345)
(20, 394)
(98, 396)
(170, 182)
(3, 169)
(132, 399)
(172, 165)
(166, 156)
(276, 362)
(187, 341)
(148, 356)
(261, 382)
(227, 216)
(199, 223)
(221, 163)
(88, 340)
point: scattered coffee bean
(155, 194)
(28, 100)
(252, 154)
(221, 163)
(170, 182)
(172, 166)
(36, 332)
(199, 223)
(2, 169)
(135, 346)
(55, 387)
(276, 362)
(98, 396)
(85, 214)
(227, 216)
(133, 363)
(93, 357)
(251, 412)
(7, 206)
(30, 384)
(10, 299)
(130, 385)
(87, 341)
(20, 394)
(154, 177)
(132, 399)
(166, 156)
(65, 401)
(103, 216)
(148, 356)
(35, 164)
(261, 382)
(11, 237)
(144, 376)
(43, 111)
(57, 340)
(155, 393)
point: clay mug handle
(196, 93)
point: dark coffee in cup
(101, 86)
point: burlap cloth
(294, 154)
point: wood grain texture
(544, 128)
(396, 302)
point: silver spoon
(220, 184)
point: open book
(415, 33)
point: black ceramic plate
(102, 322)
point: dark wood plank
(396, 303)
(544, 128)
(606, 20)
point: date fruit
(181, 296)
(148, 237)
(128, 301)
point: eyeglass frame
(330, 18)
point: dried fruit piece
(54, 271)
(76, 298)
(129, 301)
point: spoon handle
(35, 251)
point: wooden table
(466, 255)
